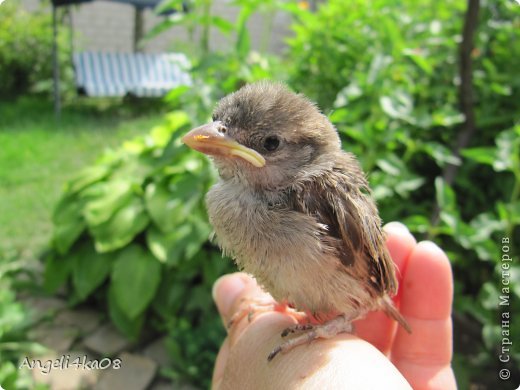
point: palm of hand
(423, 358)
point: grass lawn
(38, 154)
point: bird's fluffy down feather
(305, 224)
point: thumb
(228, 291)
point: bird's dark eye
(271, 143)
(222, 129)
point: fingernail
(397, 227)
(430, 245)
(226, 290)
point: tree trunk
(466, 100)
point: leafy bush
(14, 324)
(26, 40)
(131, 231)
(389, 76)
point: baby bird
(295, 211)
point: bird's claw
(273, 353)
(250, 307)
(331, 328)
(296, 328)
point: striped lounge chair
(138, 74)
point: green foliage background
(389, 75)
(131, 231)
(26, 40)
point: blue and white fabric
(139, 74)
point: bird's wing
(341, 200)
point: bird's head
(264, 135)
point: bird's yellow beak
(208, 139)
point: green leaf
(89, 269)
(169, 5)
(447, 117)
(243, 44)
(340, 115)
(491, 335)
(87, 177)
(130, 327)
(57, 270)
(420, 59)
(121, 229)
(485, 225)
(441, 154)
(177, 120)
(450, 220)
(222, 24)
(175, 94)
(157, 243)
(444, 194)
(201, 233)
(398, 106)
(417, 223)
(67, 210)
(104, 199)
(174, 121)
(511, 211)
(391, 165)
(137, 145)
(348, 94)
(68, 223)
(507, 157)
(170, 205)
(166, 24)
(404, 187)
(483, 155)
(8, 375)
(381, 191)
(165, 210)
(378, 64)
(65, 235)
(135, 278)
(168, 247)
(515, 279)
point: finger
(341, 362)
(400, 244)
(226, 291)
(377, 328)
(220, 364)
(232, 294)
(424, 356)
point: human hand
(377, 356)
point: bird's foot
(331, 328)
(250, 307)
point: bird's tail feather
(391, 311)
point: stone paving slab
(158, 352)
(106, 341)
(85, 331)
(57, 338)
(44, 306)
(136, 373)
(64, 371)
(84, 320)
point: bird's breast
(251, 225)
(282, 248)
(260, 233)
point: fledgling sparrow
(295, 211)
